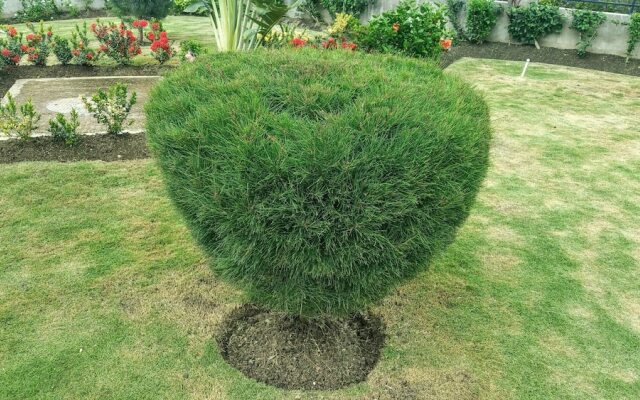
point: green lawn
(103, 294)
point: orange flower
(396, 27)
(446, 43)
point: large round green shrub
(317, 180)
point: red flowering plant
(116, 42)
(156, 29)
(37, 47)
(80, 50)
(161, 48)
(140, 25)
(11, 48)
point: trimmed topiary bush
(317, 181)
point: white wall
(12, 6)
(612, 34)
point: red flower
(89, 56)
(16, 59)
(94, 26)
(50, 33)
(298, 42)
(30, 37)
(446, 43)
(151, 36)
(155, 26)
(75, 52)
(6, 52)
(396, 27)
(103, 48)
(12, 32)
(24, 48)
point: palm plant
(241, 24)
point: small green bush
(62, 49)
(353, 7)
(411, 29)
(316, 180)
(64, 129)
(531, 23)
(111, 107)
(481, 19)
(18, 120)
(142, 9)
(586, 22)
(634, 33)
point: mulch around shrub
(291, 353)
(547, 55)
(116, 148)
(89, 147)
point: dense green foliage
(62, 49)
(37, 10)
(531, 23)
(146, 9)
(586, 22)
(353, 7)
(64, 129)
(111, 107)
(481, 19)
(411, 29)
(454, 7)
(315, 180)
(634, 33)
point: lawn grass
(103, 293)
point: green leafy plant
(142, 9)
(37, 10)
(62, 49)
(192, 46)
(81, 52)
(531, 23)
(453, 10)
(634, 33)
(112, 107)
(11, 48)
(18, 121)
(586, 22)
(86, 4)
(353, 7)
(38, 47)
(319, 195)
(481, 19)
(116, 41)
(412, 29)
(310, 9)
(241, 24)
(64, 129)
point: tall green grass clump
(316, 181)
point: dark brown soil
(295, 353)
(94, 147)
(548, 55)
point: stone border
(16, 89)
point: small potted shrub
(317, 182)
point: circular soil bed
(292, 353)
